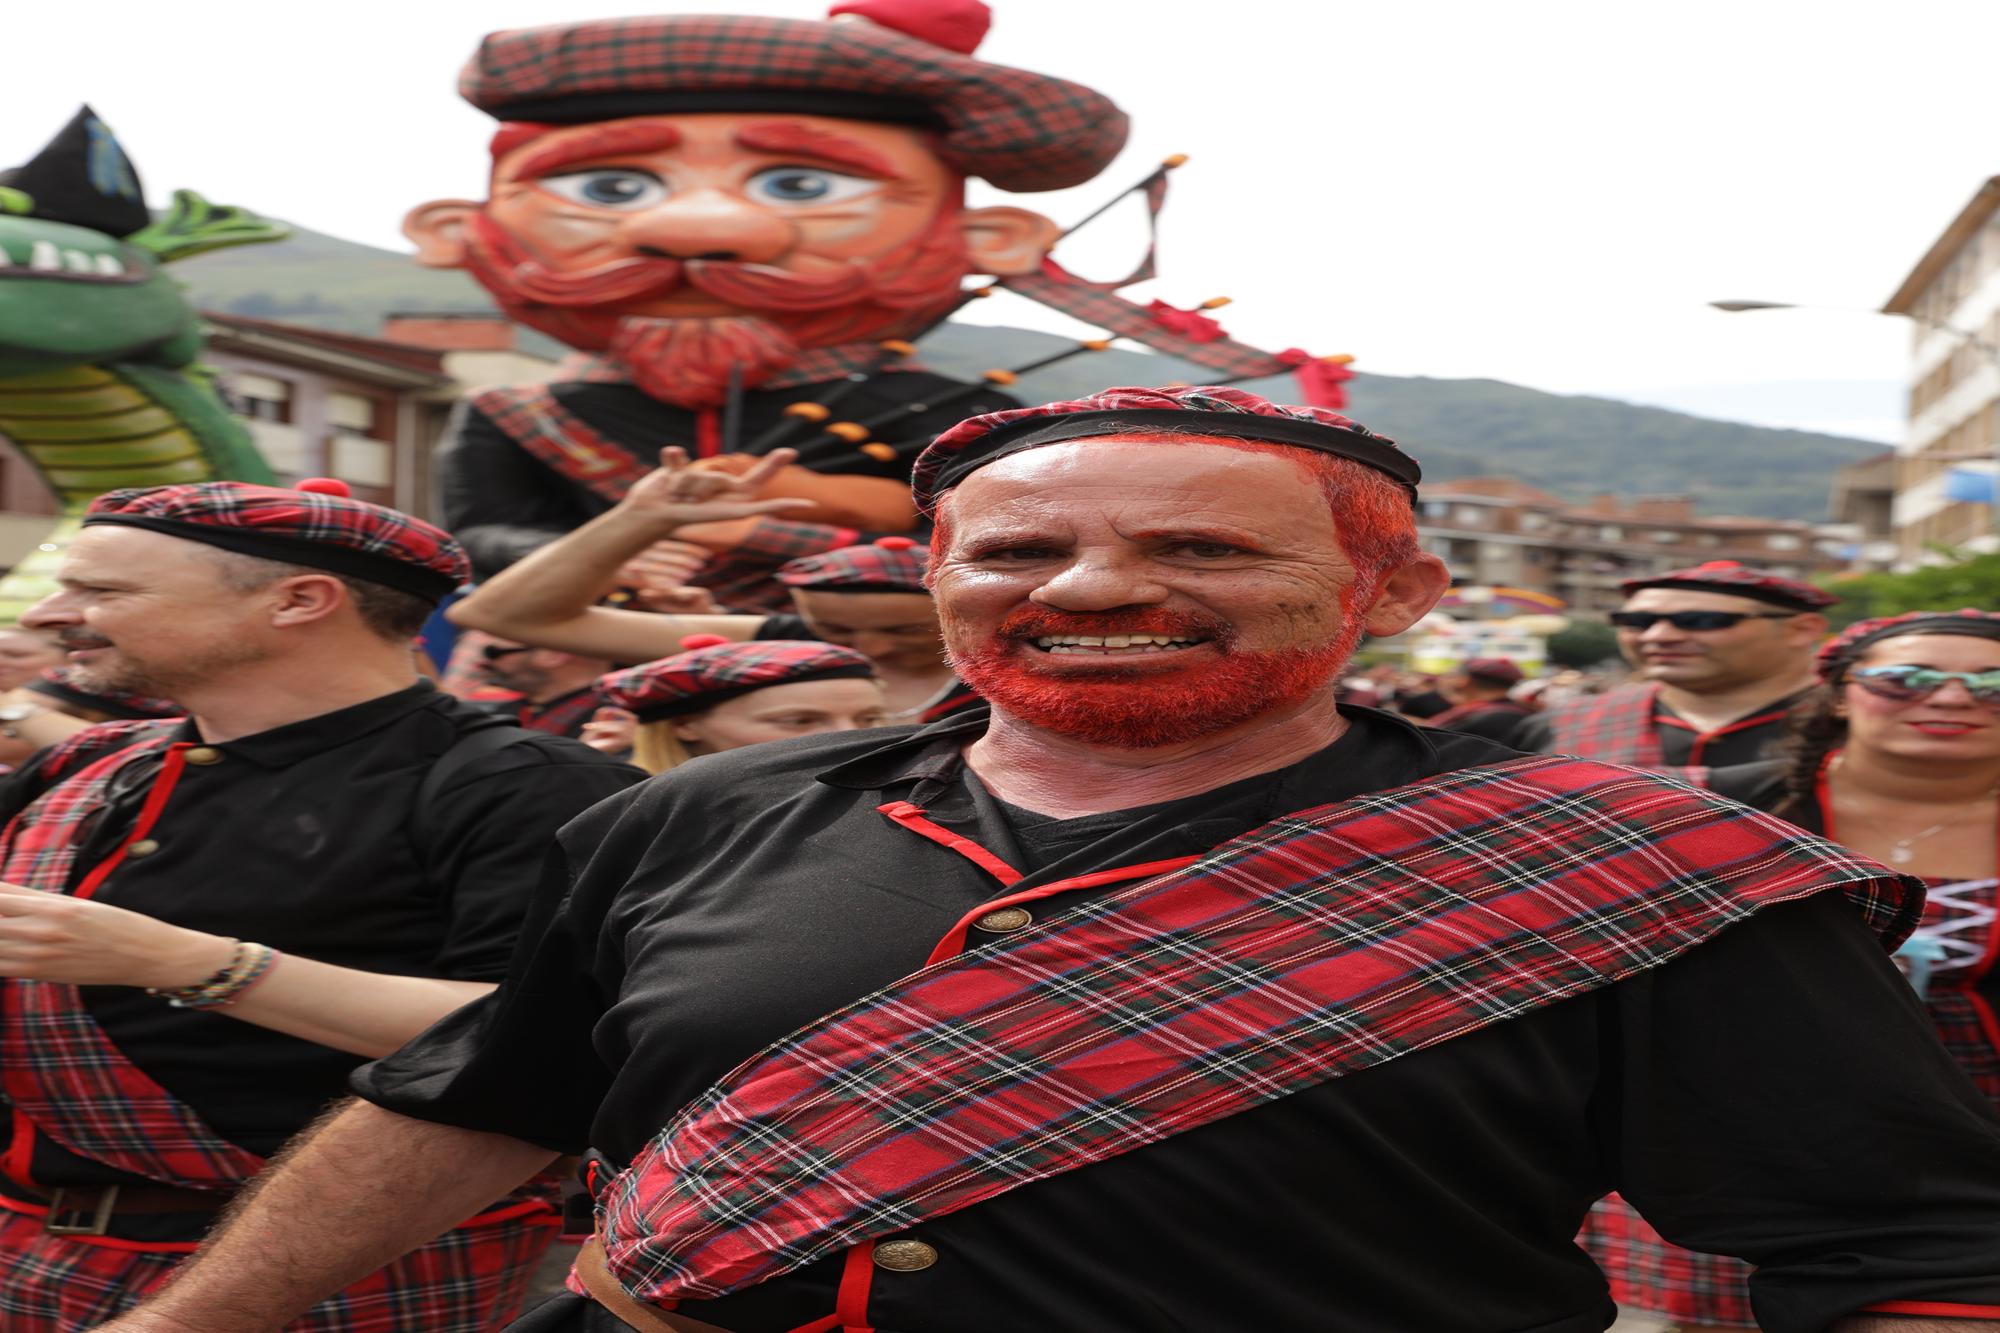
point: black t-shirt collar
(282, 746)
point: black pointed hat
(84, 178)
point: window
(1781, 541)
(1611, 533)
(261, 397)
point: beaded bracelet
(246, 967)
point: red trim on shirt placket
(857, 1273)
(149, 815)
(1702, 739)
(707, 433)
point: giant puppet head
(695, 194)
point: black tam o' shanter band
(1357, 445)
(428, 584)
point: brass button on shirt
(304, 838)
(700, 917)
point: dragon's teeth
(45, 259)
(109, 266)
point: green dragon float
(99, 386)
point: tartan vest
(58, 1068)
(1322, 943)
(1613, 728)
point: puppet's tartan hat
(1015, 129)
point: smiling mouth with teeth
(1099, 645)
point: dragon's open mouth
(22, 257)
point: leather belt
(604, 1289)
(87, 1210)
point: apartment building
(1502, 532)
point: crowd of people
(800, 960)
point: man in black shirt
(1725, 651)
(208, 923)
(1159, 624)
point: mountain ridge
(1573, 446)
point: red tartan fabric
(1738, 580)
(471, 1280)
(741, 578)
(692, 681)
(1612, 728)
(533, 419)
(1017, 129)
(1104, 309)
(1648, 1272)
(559, 717)
(57, 1066)
(1322, 943)
(893, 564)
(374, 532)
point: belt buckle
(100, 1216)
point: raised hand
(681, 493)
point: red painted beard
(687, 361)
(1131, 706)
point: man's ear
(1005, 241)
(1407, 596)
(438, 228)
(306, 598)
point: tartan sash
(1322, 943)
(57, 1067)
(1613, 728)
(530, 416)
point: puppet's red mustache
(750, 286)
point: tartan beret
(1840, 652)
(1233, 414)
(891, 564)
(60, 684)
(1738, 580)
(1499, 670)
(697, 680)
(1016, 129)
(319, 526)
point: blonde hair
(656, 749)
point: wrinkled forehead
(107, 550)
(1664, 600)
(1124, 482)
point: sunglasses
(493, 652)
(1907, 684)
(1693, 621)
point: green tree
(1972, 581)
(1583, 643)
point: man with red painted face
(741, 219)
(1345, 1020)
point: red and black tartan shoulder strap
(86, 747)
(533, 417)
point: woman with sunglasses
(1896, 755)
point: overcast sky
(1546, 193)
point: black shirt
(1738, 1094)
(305, 838)
(502, 502)
(1495, 719)
(1748, 739)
